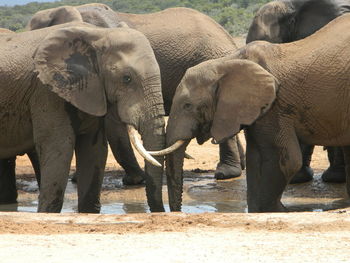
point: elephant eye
(188, 106)
(126, 79)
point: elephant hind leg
(119, 142)
(8, 190)
(305, 174)
(271, 163)
(335, 173)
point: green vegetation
(234, 15)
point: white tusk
(187, 156)
(168, 150)
(139, 147)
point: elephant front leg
(230, 164)
(119, 142)
(91, 155)
(271, 162)
(8, 189)
(55, 154)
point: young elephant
(291, 20)
(56, 85)
(180, 38)
(282, 94)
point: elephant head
(92, 68)
(54, 16)
(214, 99)
(287, 21)
(96, 14)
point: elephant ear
(67, 64)
(245, 91)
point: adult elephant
(291, 20)
(274, 92)
(180, 38)
(57, 84)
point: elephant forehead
(271, 13)
(126, 39)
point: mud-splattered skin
(55, 87)
(303, 89)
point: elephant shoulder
(260, 52)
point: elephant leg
(230, 160)
(55, 154)
(335, 173)
(346, 152)
(305, 174)
(8, 189)
(271, 163)
(34, 159)
(119, 142)
(91, 155)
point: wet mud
(202, 193)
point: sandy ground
(177, 237)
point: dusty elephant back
(181, 38)
(311, 71)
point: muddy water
(202, 193)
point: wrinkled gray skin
(180, 38)
(260, 89)
(291, 20)
(57, 84)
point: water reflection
(202, 193)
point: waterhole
(202, 193)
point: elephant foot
(334, 174)
(135, 179)
(305, 174)
(266, 208)
(225, 171)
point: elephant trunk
(174, 173)
(153, 138)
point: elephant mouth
(203, 133)
(202, 138)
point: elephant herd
(80, 78)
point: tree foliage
(234, 15)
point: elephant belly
(16, 136)
(326, 134)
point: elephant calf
(282, 94)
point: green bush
(234, 15)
